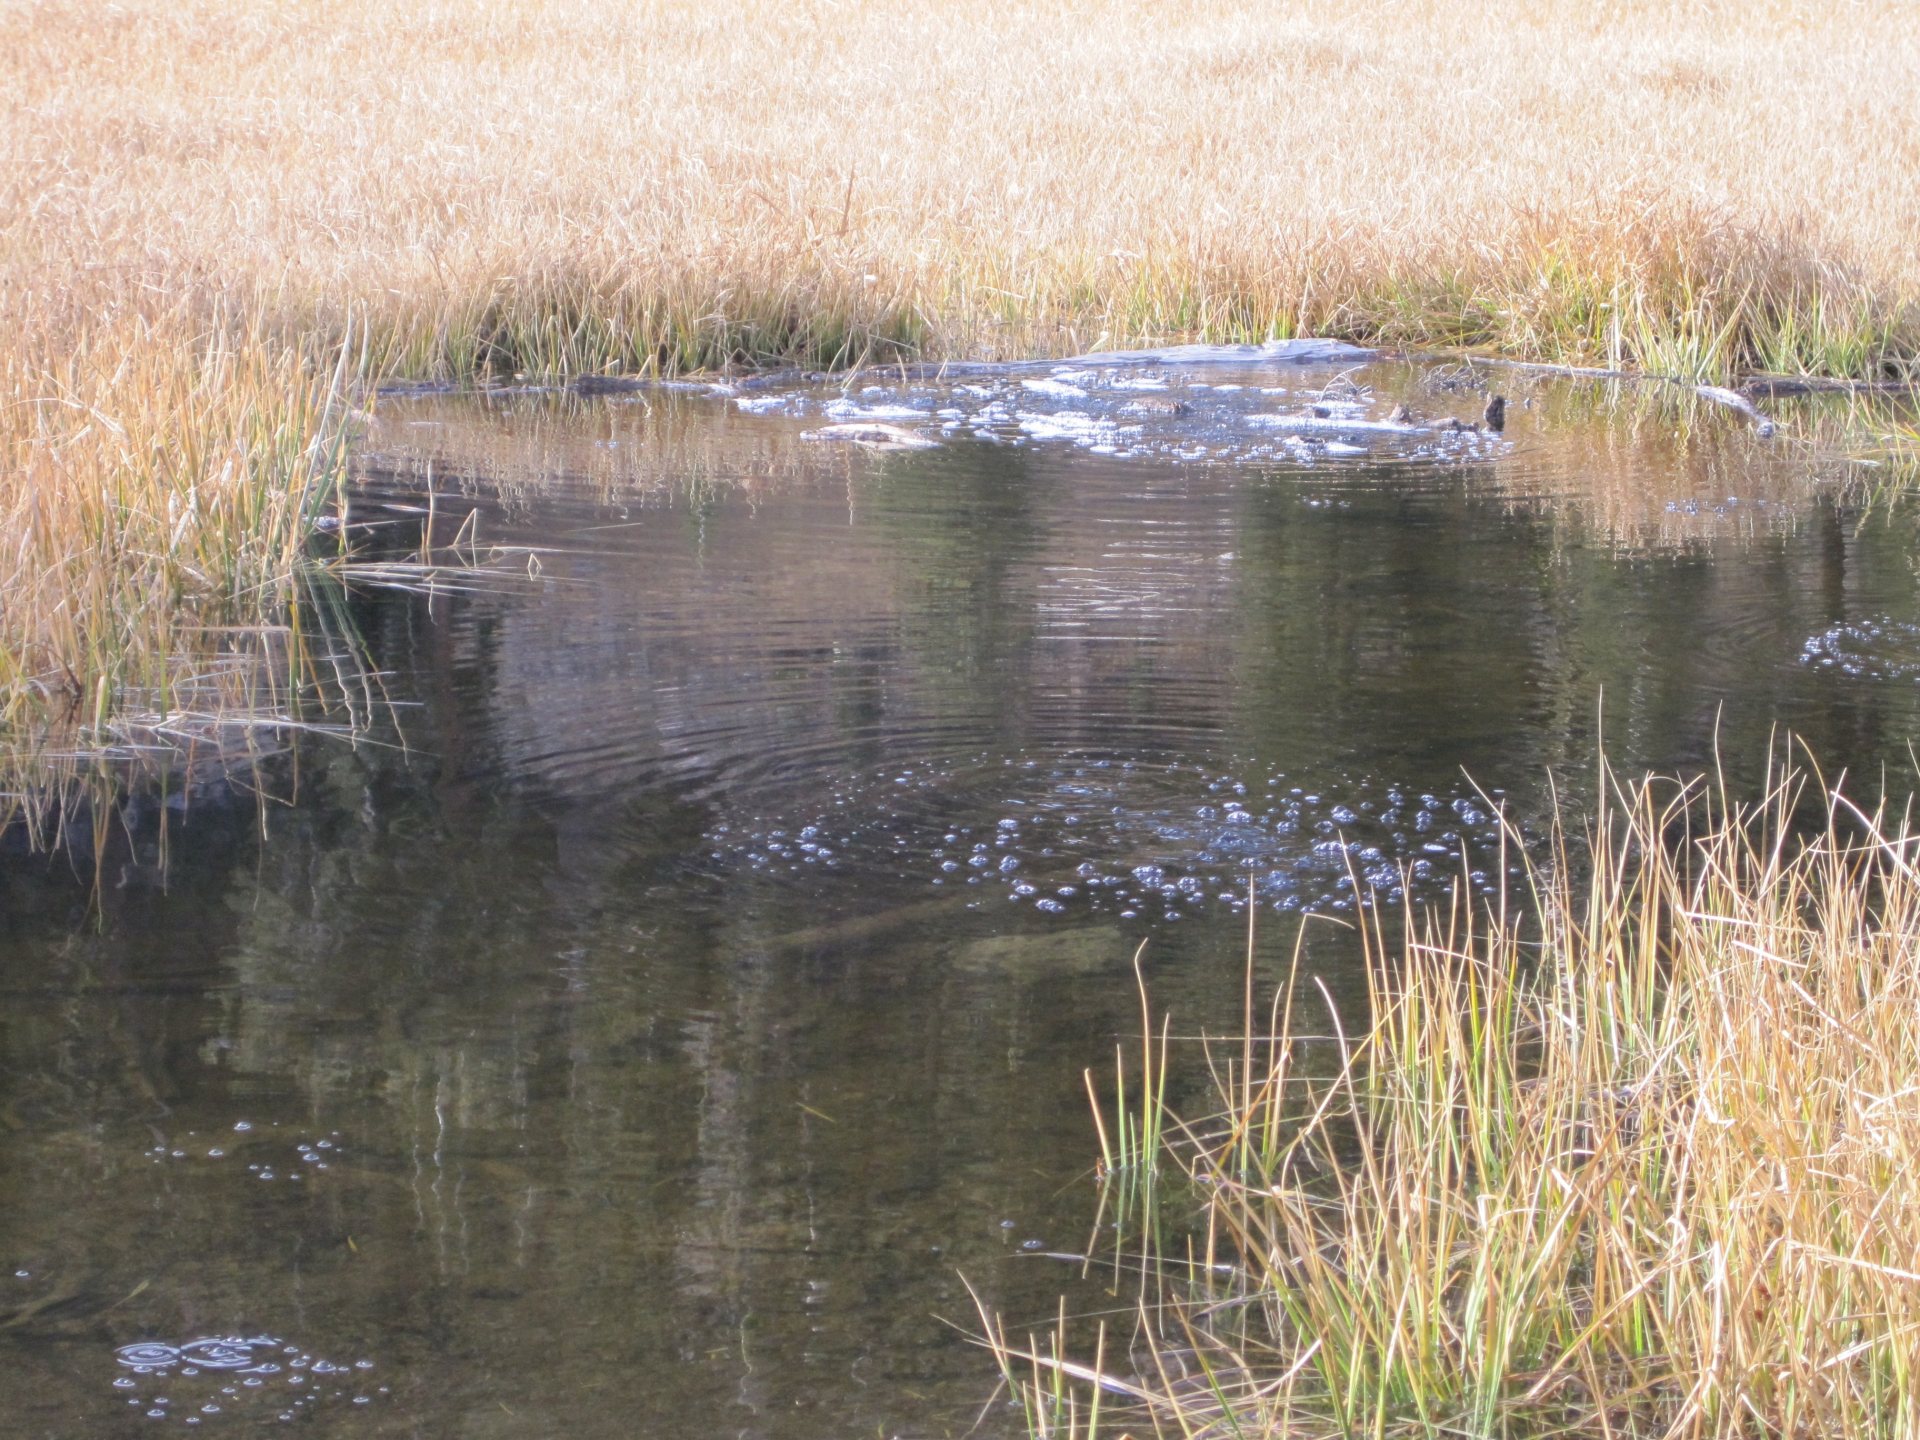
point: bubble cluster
(264, 1156)
(1879, 648)
(1729, 506)
(243, 1378)
(1132, 839)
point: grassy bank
(1634, 1157)
(199, 199)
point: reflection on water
(694, 972)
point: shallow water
(691, 975)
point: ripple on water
(1127, 838)
(242, 1379)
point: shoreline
(218, 214)
(268, 434)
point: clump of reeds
(1638, 1156)
(160, 485)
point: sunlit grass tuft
(1637, 1156)
(160, 489)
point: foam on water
(763, 404)
(1143, 409)
(1061, 388)
(845, 409)
(1079, 429)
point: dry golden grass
(544, 187)
(541, 179)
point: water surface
(691, 974)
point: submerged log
(1733, 400)
(1291, 352)
(859, 928)
(873, 435)
(1715, 394)
(1774, 386)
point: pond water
(690, 974)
